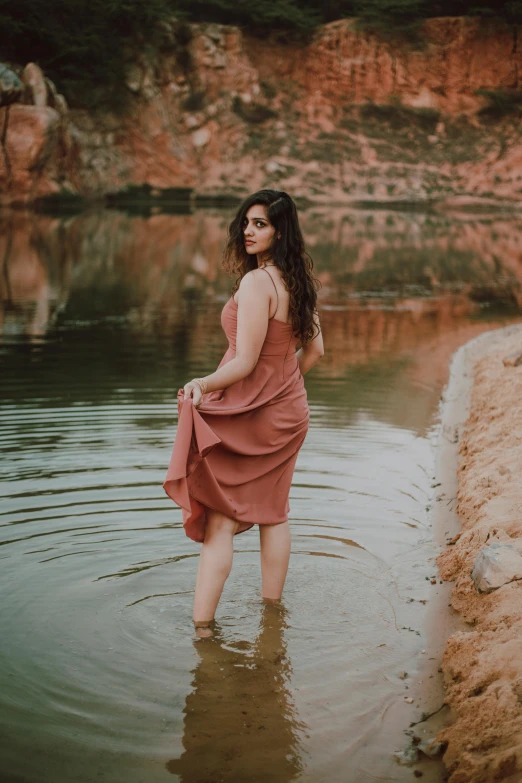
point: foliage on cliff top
(83, 45)
(80, 44)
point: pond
(105, 315)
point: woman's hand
(193, 390)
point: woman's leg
(275, 555)
(215, 562)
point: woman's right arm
(311, 352)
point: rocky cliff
(345, 117)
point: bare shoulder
(253, 276)
(253, 282)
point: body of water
(105, 315)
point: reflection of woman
(240, 723)
(240, 428)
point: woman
(240, 428)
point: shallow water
(104, 316)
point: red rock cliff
(345, 117)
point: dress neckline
(278, 320)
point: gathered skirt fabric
(236, 452)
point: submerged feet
(203, 628)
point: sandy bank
(482, 664)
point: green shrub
(82, 45)
(500, 103)
(252, 112)
(397, 115)
(194, 102)
(392, 18)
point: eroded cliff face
(346, 117)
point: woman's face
(257, 230)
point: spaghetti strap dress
(236, 452)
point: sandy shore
(482, 660)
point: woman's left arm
(252, 324)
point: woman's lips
(249, 242)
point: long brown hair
(287, 252)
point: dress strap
(277, 295)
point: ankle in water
(204, 631)
(203, 623)
(203, 628)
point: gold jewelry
(202, 383)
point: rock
(273, 167)
(134, 78)
(407, 757)
(32, 144)
(55, 99)
(193, 121)
(60, 104)
(408, 700)
(11, 87)
(496, 565)
(200, 264)
(215, 32)
(513, 359)
(213, 41)
(403, 675)
(252, 111)
(431, 747)
(34, 79)
(201, 137)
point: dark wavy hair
(287, 252)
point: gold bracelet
(202, 384)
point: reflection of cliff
(367, 349)
(34, 281)
(240, 723)
(162, 274)
(161, 256)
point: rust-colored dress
(236, 452)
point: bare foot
(203, 629)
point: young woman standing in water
(241, 427)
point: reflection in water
(240, 721)
(151, 269)
(413, 285)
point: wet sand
(479, 501)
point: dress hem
(239, 521)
